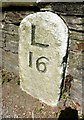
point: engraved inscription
(38, 62)
(33, 39)
(30, 59)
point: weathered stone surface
(7, 3)
(12, 17)
(42, 46)
(76, 35)
(75, 92)
(68, 8)
(74, 22)
(9, 41)
(73, 15)
(0, 57)
(10, 61)
(13, 29)
(75, 65)
(12, 46)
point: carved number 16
(38, 61)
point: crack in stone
(64, 63)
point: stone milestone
(42, 46)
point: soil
(18, 104)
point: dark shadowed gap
(83, 70)
(21, 8)
(29, 119)
(68, 114)
(64, 62)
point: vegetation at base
(9, 76)
(18, 82)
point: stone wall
(71, 13)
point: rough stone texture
(73, 15)
(10, 61)
(39, 77)
(74, 23)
